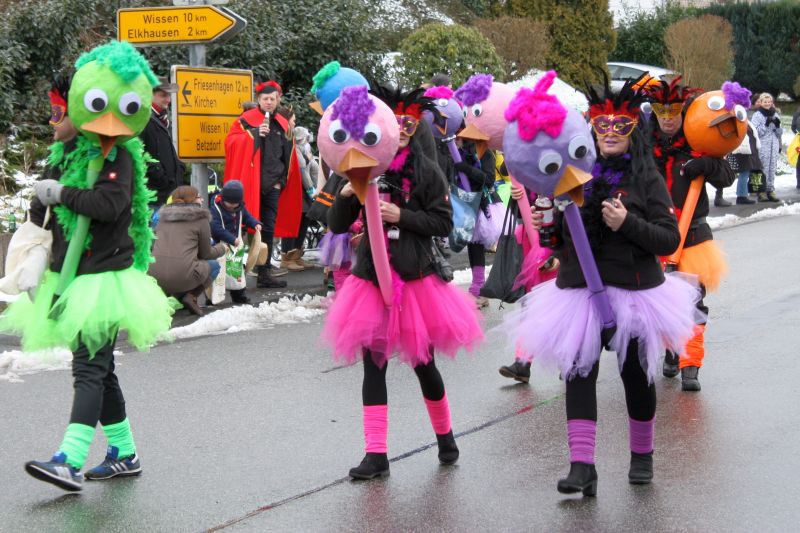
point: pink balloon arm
(377, 244)
(451, 144)
(525, 212)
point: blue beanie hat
(233, 192)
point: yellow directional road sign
(176, 25)
(204, 108)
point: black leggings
(98, 396)
(640, 396)
(373, 390)
(477, 254)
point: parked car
(622, 71)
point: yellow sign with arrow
(176, 25)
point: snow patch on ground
(246, 318)
(728, 221)
(464, 276)
(15, 363)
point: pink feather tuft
(440, 91)
(537, 111)
(399, 160)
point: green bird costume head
(110, 95)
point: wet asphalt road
(256, 431)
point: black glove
(701, 166)
(464, 167)
(776, 121)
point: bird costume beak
(356, 165)
(725, 124)
(108, 127)
(474, 133)
(316, 106)
(571, 183)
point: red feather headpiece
(56, 98)
(604, 101)
(670, 93)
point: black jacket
(108, 204)
(629, 257)
(426, 214)
(480, 173)
(167, 173)
(276, 152)
(672, 153)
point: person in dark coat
(185, 262)
(745, 160)
(166, 173)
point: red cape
(243, 163)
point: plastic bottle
(547, 233)
(12, 223)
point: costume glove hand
(776, 121)
(466, 168)
(701, 166)
(48, 191)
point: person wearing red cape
(259, 154)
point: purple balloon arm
(451, 144)
(588, 266)
(377, 244)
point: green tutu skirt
(92, 311)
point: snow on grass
(246, 317)
(729, 220)
(15, 363)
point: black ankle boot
(641, 471)
(519, 371)
(689, 381)
(670, 368)
(582, 477)
(372, 465)
(448, 451)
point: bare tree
(521, 42)
(701, 50)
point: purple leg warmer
(581, 437)
(641, 435)
(478, 278)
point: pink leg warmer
(641, 435)
(376, 427)
(439, 413)
(581, 438)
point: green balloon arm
(76, 244)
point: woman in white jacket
(744, 161)
(766, 122)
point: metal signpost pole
(197, 58)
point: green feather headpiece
(325, 73)
(122, 58)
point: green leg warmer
(76, 444)
(120, 436)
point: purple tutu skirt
(428, 313)
(334, 249)
(488, 228)
(560, 328)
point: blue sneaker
(57, 472)
(114, 466)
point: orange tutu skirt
(705, 260)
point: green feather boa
(73, 166)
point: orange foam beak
(571, 183)
(108, 127)
(357, 165)
(316, 106)
(474, 133)
(725, 124)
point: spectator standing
(166, 173)
(766, 122)
(291, 258)
(743, 161)
(258, 153)
(185, 262)
(796, 130)
(228, 214)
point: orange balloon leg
(689, 205)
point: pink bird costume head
(358, 137)
(547, 146)
(484, 102)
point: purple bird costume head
(448, 121)
(547, 146)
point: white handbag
(28, 256)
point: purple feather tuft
(475, 90)
(735, 94)
(353, 108)
(535, 110)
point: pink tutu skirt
(430, 313)
(561, 329)
(334, 249)
(530, 274)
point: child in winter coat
(228, 214)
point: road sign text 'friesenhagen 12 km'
(204, 108)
